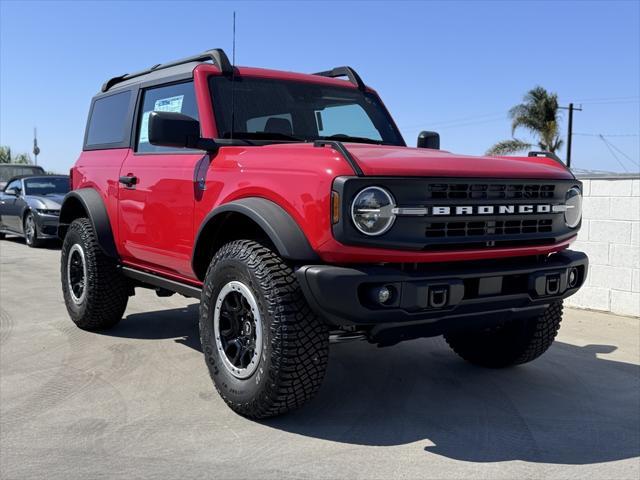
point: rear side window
(178, 98)
(109, 124)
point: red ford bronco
(290, 205)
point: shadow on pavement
(567, 407)
(180, 324)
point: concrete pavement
(137, 401)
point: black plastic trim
(216, 55)
(338, 293)
(348, 72)
(156, 281)
(92, 204)
(551, 155)
(342, 150)
(285, 234)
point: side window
(179, 98)
(16, 185)
(108, 123)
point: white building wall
(610, 236)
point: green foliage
(508, 146)
(7, 157)
(5, 154)
(539, 114)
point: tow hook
(438, 296)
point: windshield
(266, 109)
(46, 185)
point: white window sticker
(171, 104)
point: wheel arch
(87, 202)
(252, 217)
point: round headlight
(372, 211)
(573, 202)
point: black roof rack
(348, 72)
(217, 56)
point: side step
(156, 281)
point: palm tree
(539, 114)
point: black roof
(177, 67)
(185, 66)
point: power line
(612, 102)
(462, 120)
(608, 135)
(624, 154)
(606, 99)
(613, 154)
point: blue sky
(453, 67)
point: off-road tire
(31, 241)
(107, 290)
(515, 342)
(295, 341)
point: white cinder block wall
(610, 236)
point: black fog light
(572, 278)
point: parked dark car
(30, 207)
(13, 170)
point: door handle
(129, 181)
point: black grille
(490, 191)
(492, 227)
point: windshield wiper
(349, 138)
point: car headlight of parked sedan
(48, 211)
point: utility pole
(36, 148)
(571, 108)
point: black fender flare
(283, 231)
(88, 202)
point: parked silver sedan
(30, 207)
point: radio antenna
(233, 77)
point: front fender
(283, 231)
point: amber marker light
(335, 207)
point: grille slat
(490, 191)
(494, 228)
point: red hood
(418, 162)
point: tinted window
(108, 123)
(46, 185)
(179, 98)
(266, 109)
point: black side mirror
(429, 140)
(170, 129)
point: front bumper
(441, 294)
(47, 225)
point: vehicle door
(11, 206)
(157, 189)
